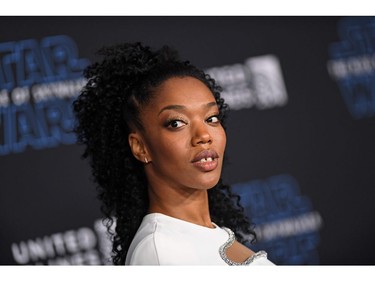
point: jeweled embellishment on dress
(229, 243)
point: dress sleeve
(145, 253)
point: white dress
(164, 240)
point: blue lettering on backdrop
(45, 124)
(286, 224)
(38, 82)
(352, 64)
(28, 62)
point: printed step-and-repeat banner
(300, 131)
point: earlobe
(138, 148)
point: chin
(210, 183)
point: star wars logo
(352, 65)
(38, 82)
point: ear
(138, 147)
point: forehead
(187, 91)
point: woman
(153, 129)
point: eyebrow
(182, 107)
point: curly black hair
(116, 89)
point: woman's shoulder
(154, 244)
(235, 253)
(150, 241)
(167, 240)
(143, 252)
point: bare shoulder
(238, 252)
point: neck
(188, 205)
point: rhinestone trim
(223, 248)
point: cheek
(165, 147)
(221, 139)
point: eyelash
(169, 122)
(217, 116)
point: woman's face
(183, 136)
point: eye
(213, 119)
(174, 124)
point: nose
(201, 134)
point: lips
(206, 160)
